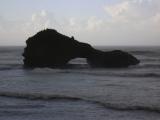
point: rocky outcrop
(48, 48)
(112, 59)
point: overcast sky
(98, 22)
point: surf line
(47, 97)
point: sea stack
(49, 48)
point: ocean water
(80, 92)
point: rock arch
(49, 48)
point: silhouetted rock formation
(48, 48)
(112, 59)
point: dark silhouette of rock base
(48, 48)
(112, 59)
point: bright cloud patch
(128, 22)
(137, 21)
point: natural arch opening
(78, 62)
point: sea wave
(145, 52)
(148, 65)
(134, 75)
(99, 72)
(10, 66)
(107, 105)
(141, 52)
(116, 74)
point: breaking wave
(107, 105)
